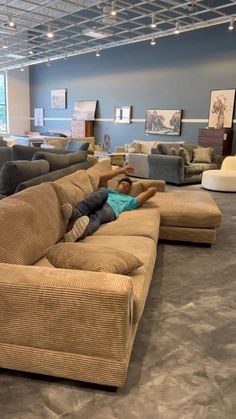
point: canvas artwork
(84, 110)
(59, 99)
(221, 108)
(163, 121)
(122, 115)
(38, 117)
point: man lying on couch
(102, 206)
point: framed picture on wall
(221, 108)
(122, 114)
(59, 99)
(163, 121)
(38, 117)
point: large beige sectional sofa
(74, 323)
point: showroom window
(3, 104)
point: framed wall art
(221, 108)
(59, 99)
(163, 121)
(84, 110)
(122, 115)
(38, 117)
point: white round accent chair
(223, 180)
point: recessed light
(231, 24)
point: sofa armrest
(168, 168)
(72, 311)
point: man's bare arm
(144, 196)
(126, 170)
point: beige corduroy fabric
(194, 235)
(140, 222)
(194, 209)
(31, 221)
(97, 170)
(67, 311)
(73, 188)
(142, 247)
(90, 257)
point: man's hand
(126, 170)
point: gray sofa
(164, 162)
(176, 164)
(24, 166)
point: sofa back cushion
(59, 161)
(14, 172)
(97, 170)
(73, 188)
(31, 221)
(73, 145)
(5, 155)
(22, 152)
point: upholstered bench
(191, 216)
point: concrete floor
(183, 359)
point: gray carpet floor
(183, 360)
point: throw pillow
(59, 161)
(137, 148)
(185, 155)
(14, 172)
(202, 155)
(190, 147)
(90, 257)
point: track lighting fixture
(22, 68)
(50, 34)
(153, 24)
(11, 22)
(177, 30)
(97, 52)
(231, 24)
(113, 8)
(65, 56)
(48, 62)
(31, 52)
(153, 42)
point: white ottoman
(219, 180)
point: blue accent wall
(178, 73)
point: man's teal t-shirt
(121, 202)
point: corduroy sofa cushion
(31, 221)
(92, 258)
(73, 188)
(14, 172)
(59, 161)
(192, 209)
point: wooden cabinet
(219, 139)
(82, 128)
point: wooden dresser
(219, 139)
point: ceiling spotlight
(11, 22)
(153, 42)
(113, 8)
(153, 25)
(48, 63)
(231, 24)
(65, 56)
(97, 52)
(6, 70)
(31, 52)
(5, 46)
(50, 34)
(177, 30)
(22, 68)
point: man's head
(124, 185)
